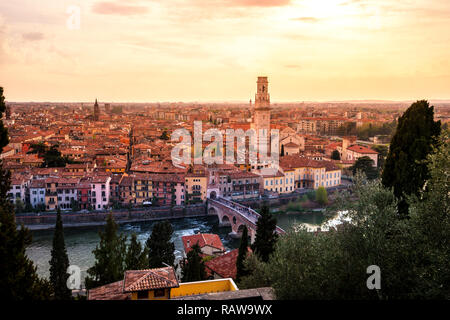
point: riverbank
(76, 220)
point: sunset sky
(213, 50)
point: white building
(37, 193)
(100, 191)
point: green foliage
(193, 268)
(321, 195)
(365, 165)
(405, 170)
(109, 256)
(160, 248)
(430, 221)
(370, 130)
(18, 276)
(59, 263)
(265, 234)
(53, 158)
(295, 206)
(382, 153)
(243, 251)
(412, 253)
(258, 273)
(136, 257)
(38, 148)
(19, 206)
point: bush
(321, 195)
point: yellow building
(281, 182)
(196, 182)
(157, 284)
(142, 187)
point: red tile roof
(203, 239)
(112, 291)
(361, 149)
(224, 265)
(149, 279)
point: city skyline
(197, 50)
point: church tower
(261, 117)
(96, 111)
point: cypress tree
(243, 250)
(265, 234)
(193, 268)
(405, 169)
(18, 276)
(282, 151)
(109, 255)
(136, 257)
(160, 248)
(59, 263)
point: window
(159, 293)
(142, 295)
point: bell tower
(261, 117)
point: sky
(213, 50)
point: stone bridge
(237, 216)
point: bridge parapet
(245, 213)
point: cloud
(113, 8)
(33, 36)
(306, 19)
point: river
(81, 241)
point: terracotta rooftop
(149, 279)
(112, 291)
(361, 149)
(203, 239)
(224, 265)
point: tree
(109, 256)
(382, 153)
(335, 155)
(193, 268)
(136, 257)
(59, 262)
(38, 148)
(18, 276)
(366, 165)
(160, 248)
(321, 195)
(53, 158)
(430, 224)
(265, 234)
(282, 151)
(164, 135)
(405, 170)
(243, 250)
(333, 265)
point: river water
(81, 241)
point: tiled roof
(112, 291)
(224, 265)
(361, 149)
(203, 239)
(149, 279)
